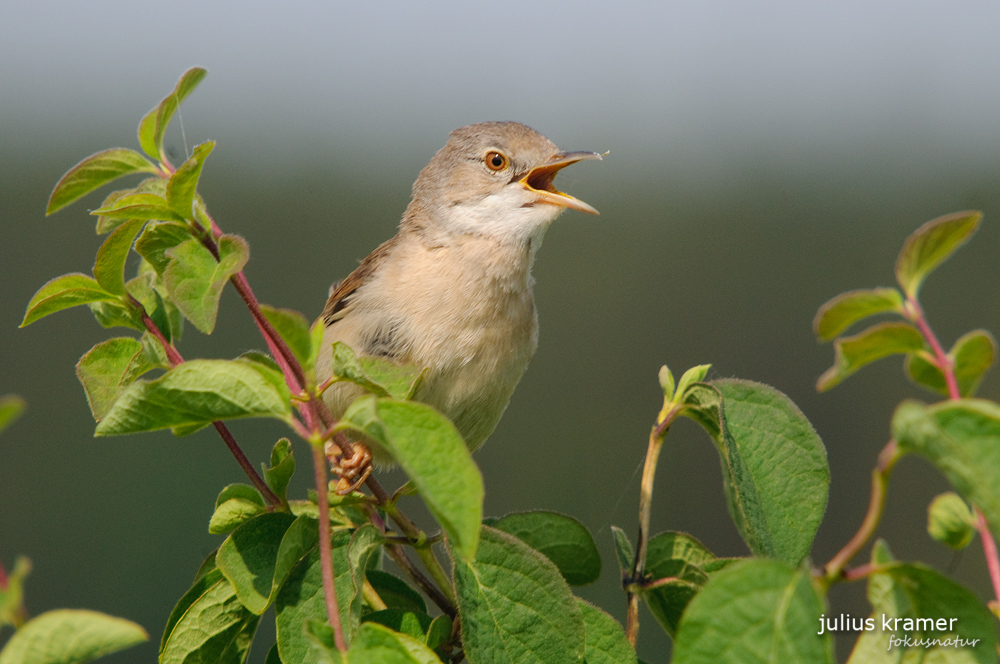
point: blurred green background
(764, 158)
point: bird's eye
(496, 161)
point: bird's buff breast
(473, 329)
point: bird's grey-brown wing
(339, 302)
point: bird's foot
(352, 467)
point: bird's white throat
(509, 216)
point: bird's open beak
(539, 181)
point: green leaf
(395, 592)
(560, 538)
(439, 632)
(236, 504)
(405, 622)
(901, 595)
(624, 551)
(681, 557)
(301, 596)
(139, 206)
(930, 245)
(268, 373)
(515, 606)
(300, 538)
(241, 492)
(248, 557)
(184, 182)
(198, 391)
(260, 358)
(11, 408)
(182, 430)
(148, 290)
(878, 341)
(774, 464)
(294, 329)
(950, 521)
(153, 185)
(961, 438)
(70, 636)
(667, 383)
(216, 628)
(12, 610)
(109, 269)
(322, 643)
(195, 279)
(107, 369)
(431, 451)
(69, 290)
(374, 644)
(690, 377)
(96, 171)
(279, 474)
(272, 655)
(973, 355)
(231, 514)
(920, 369)
(208, 575)
(380, 377)
(848, 308)
(117, 314)
(154, 124)
(365, 546)
(157, 238)
(754, 611)
(605, 641)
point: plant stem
(398, 554)
(325, 550)
(645, 509)
(172, 355)
(279, 349)
(665, 418)
(3, 577)
(990, 551)
(292, 370)
(944, 363)
(860, 572)
(241, 458)
(834, 570)
(416, 536)
(372, 597)
(227, 436)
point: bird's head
(495, 179)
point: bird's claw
(352, 470)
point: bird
(452, 291)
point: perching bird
(452, 291)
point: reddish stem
(3, 578)
(245, 464)
(880, 483)
(325, 549)
(291, 369)
(175, 359)
(990, 551)
(283, 355)
(944, 362)
(860, 572)
(172, 355)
